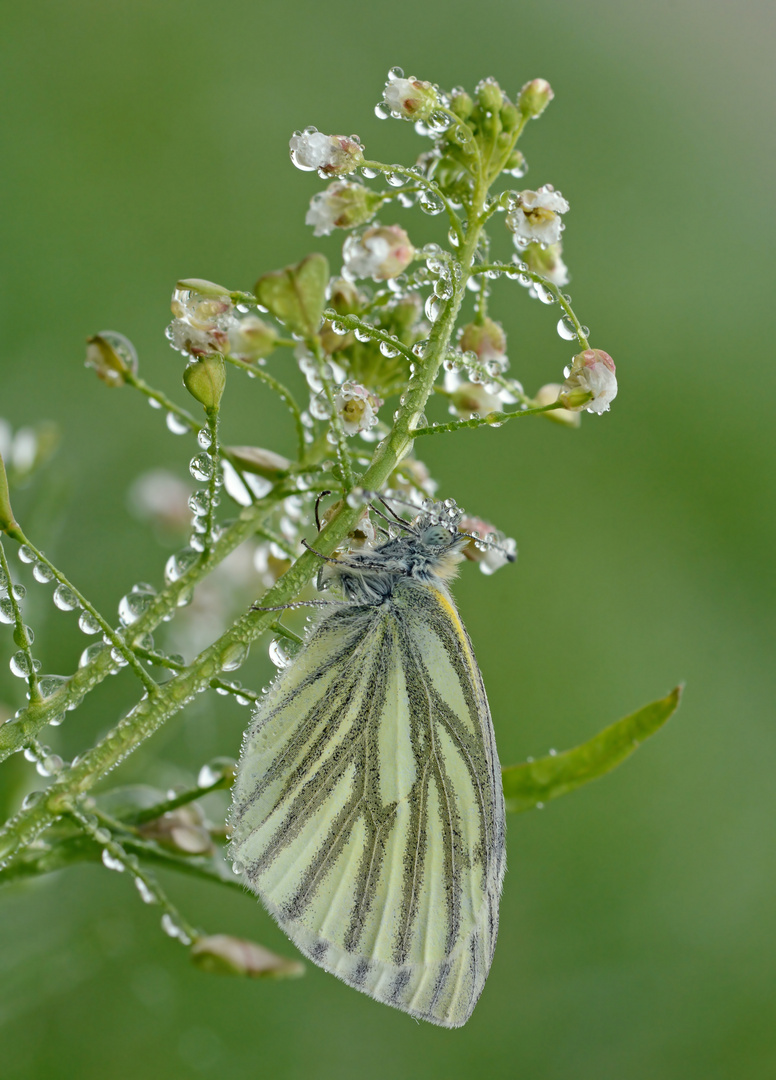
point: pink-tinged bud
(591, 382)
(547, 261)
(227, 955)
(410, 99)
(202, 304)
(490, 548)
(342, 205)
(112, 356)
(380, 253)
(487, 339)
(328, 155)
(251, 339)
(356, 407)
(536, 216)
(548, 395)
(534, 98)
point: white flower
(591, 372)
(537, 216)
(356, 407)
(380, 253)
(329, 154)
(195, 342)
(341, 206)
(546, 261)
(412, 99)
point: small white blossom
(411, 99)
(591, 372)
(328, 154)
(537, 216)
(548, 262)
(356, 407)
(195, 342)
(341, 206)
(380, 253)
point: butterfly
(367, 810)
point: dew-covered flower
(491, 548)
(330, 155)
(202, 304)
(341, 206)
(381, 252)
(487, 339)
(356, 407)
(548, 395)
(548, 262)
(195, 342)
(537, 216)
(534, 98)
(469, 398)
(410, 99)
(251, 338)
(592, 372)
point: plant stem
(20, 630)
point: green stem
(343, 451)
(423, 182)
(512, 269)
(493, 419)
(283, 393)
(116, 640)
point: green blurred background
(148, 141)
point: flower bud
(226, 955)
(344, 297)
(191, 341)
(265, 463)
(487, 339)
(461, 104)
(205, 379)
(410, 99)
(468, 398)
(547, 395)
(202, 304)
(510, 117)
(112, 356)
(356, 407)
(548, 262)
(490, 96)
(534, 98)
(8, 523)
(381, 252)
(182, 829)
(330, 155)
(342, 205)
(591, 382)
(537, 216)
(251, 339)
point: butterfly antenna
(394, 516)
(322, 495)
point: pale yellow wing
(368, 811)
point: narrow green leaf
(535, 782)
(296, 296)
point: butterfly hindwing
(367, 809)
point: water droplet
(101, 835)
(145, 893)
(553, 753)
(204, 438)
(42, 573)
(566, 329)
(543, 293)
(540, 806)
(133, 605)
(49, 684)
(201, 467)
(89, 653)
(280, 653)
(112, 862)
(434, 307)
(173, 930)
(388, 350)
(20, 665)
(382, 112)
(87, 623)
(65, 599)
(31, 799)
(234, 656)
(6, 611)
(238, 868)
(175, 424)
(179, 563)
(26, 554)
(430, 203)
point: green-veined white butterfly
(368, 812)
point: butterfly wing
(368, 810)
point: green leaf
(535, 782)
(296, 296)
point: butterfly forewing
(367, 810)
